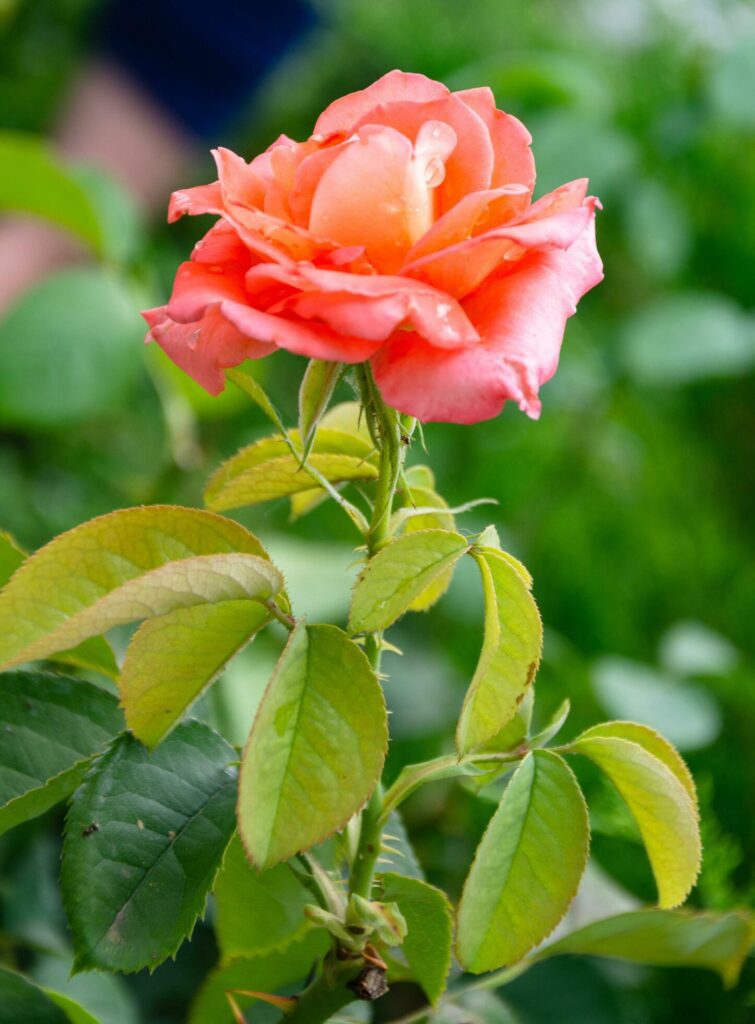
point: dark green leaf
(50, 727)
(21, 1002)
(144, 838)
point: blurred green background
(630, 501)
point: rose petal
(316, 341)
(198, 285)
(475, 211)
(205, 348)
(461, 268)
(511, 141)
(343, 114)
(521, 320)
(364, 197)
(193, 201)
(470, 166)
(372, 306)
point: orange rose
(403, 232)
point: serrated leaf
(553, 726)
(653, 743)
(398, 574)
(269, 973)
(124, 566)
(427, 946)
(145, 835)
(93, 654)
(421, 497)
(660, 804)
(317, 386)
(316, 749)
(51, 726)
(268, 469)
(666, 938)
(527, 866)
(22, 1002)
(510, 653)
(257, 912)
(11, 557)
(172, 659)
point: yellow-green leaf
(399, 573)
(268, 469)
(527, 867)
(421, 497)
(510, 653)
(317, 386)
(661, 806)
(316, 749)
(126, 566)
(653, 743)
(666, 938)
(427, 945)
(172, 659)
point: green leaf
(123, 566)
(106, 996)
(427, 946)
(510, 653)
(527, 867)
(81, 352)
(11, 557)
(74, 1011)
(145, 835)
(317, 386)
(660, 804)
(553, 726)
(399, 573)
(51, 727)
(257, 913)
(420, 497)
(173, 658)
(95, 654)
(252, 387)
(269, 973)
(652, 742)
(268, 469)
(34, 180)
(21, 1002)
(666, 938)
(316, 749)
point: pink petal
(314, 340)
(462, 268)
(374, 306)
(362, 197)
(198, 285)
(473, 212)
(203, 349)
(521, 320)
(514, 161)
(201, 199)
(470, 166)
(343, 114)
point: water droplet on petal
(435, 172)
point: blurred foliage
(630, 501)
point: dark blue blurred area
(201, 61)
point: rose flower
(402, 232)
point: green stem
(327, 994)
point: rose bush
(402, 232)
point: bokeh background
(631, 501)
